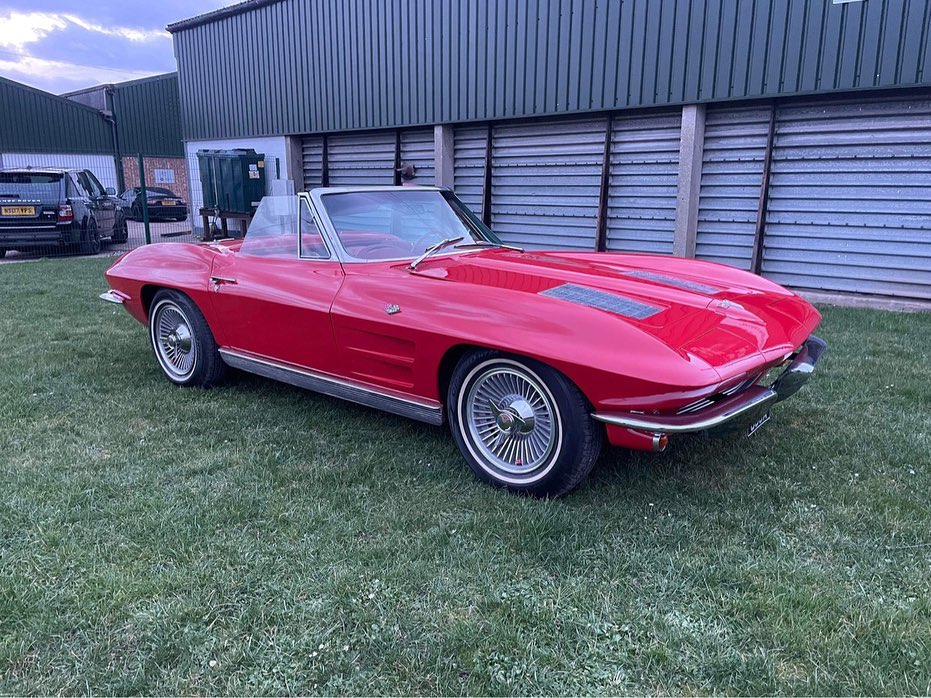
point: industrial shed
(789, 137)
(103, 128)
(146, 121)
(43, 130)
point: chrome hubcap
(511, 420)
(174, 341)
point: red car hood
(727, 318)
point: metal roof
(38, 122)
(215, 15)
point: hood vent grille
(610, 302)
(673, 281)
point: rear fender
(182, 267)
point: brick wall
(176, 166)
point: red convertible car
(400, 298)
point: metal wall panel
(335, 65)
(33, 121)
(469, 145)
(643, 175)
(148, 115)
(850, 198)
(103, 166)
(361, 158)
(417, 147)
(731, 180)
(545, 183)
(312, 160)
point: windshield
(25, 185)
(400, 224)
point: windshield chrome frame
(303, 199)
(329, 230)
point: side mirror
(111, 191)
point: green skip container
(232, 180)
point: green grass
(260, 539)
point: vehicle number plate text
(18, 210)
(752, 429)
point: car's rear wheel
(521, 425)
(120, 231)
(182, 341)
(90, 240)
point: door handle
(217, 280)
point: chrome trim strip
(112, 296)
(801, 368)
(427, 411)
(750, 401)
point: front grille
(704, 402)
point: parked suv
(45, 206)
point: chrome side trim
(750, 401)
(112, 296)
(421, 410)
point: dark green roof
(38, 122)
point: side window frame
(304, 204)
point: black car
(70, 209)
(164, 204)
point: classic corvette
(401, 299)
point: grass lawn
(260, 539)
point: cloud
(58, 46)
(61, 51)
(19, 29)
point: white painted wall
(274, 147)
(103, 166)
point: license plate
(18, 210)
(168, 202)
(752, 429)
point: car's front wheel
(521, 425)
(182, 341)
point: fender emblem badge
(392, 309)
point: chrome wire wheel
(512, 423)
(173, 340)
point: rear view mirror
(111, 191)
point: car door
(272, 298)
(104, 206)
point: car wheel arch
(458, 352)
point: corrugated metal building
(791, 137)
(43, 130)
(147, 118)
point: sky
(60, 46)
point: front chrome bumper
(746, 405)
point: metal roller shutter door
(469, 143)
(850, 198)
(361, 158)
(417, 147)
(545, 183)
(642, 185)
(312, 161)
(731, 181)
